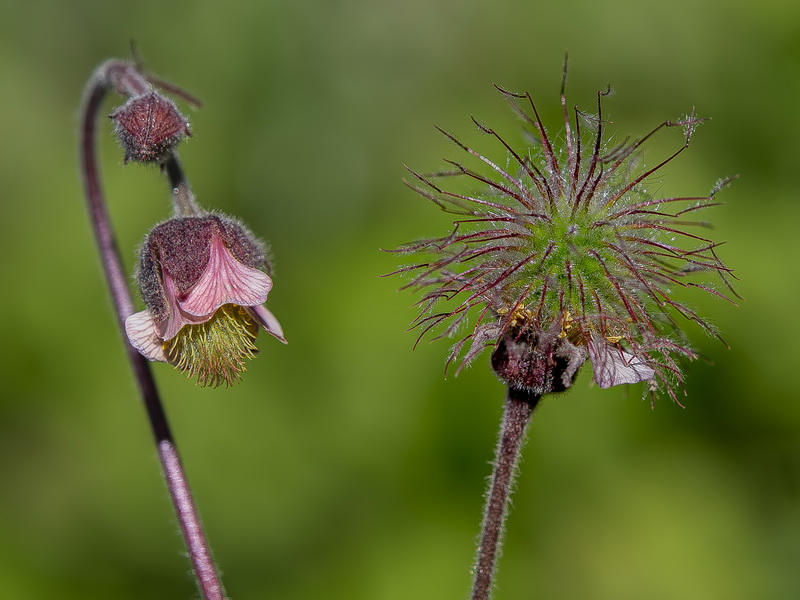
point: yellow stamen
(215, 351)
(520, 316)
(566, 325)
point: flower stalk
(519, 408)
(183, 200)
(126, 79)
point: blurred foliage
(345, 465)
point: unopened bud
(149, 126)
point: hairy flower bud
(202, 279)
(148, 127)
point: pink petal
(143, 335)
(268, 321)
(169, 328)
(613, 366)
(225, 281)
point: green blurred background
(345, 466)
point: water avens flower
(204, 282)
(562, 254)
(149, 127)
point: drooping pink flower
(202, 281)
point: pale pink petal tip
(142, 334)
(268, 321)
(613, 366)
(226, 281)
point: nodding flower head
(204, 283)
(563, 254)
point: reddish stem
(513, 430)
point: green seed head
(565, 256)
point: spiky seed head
(565, 255)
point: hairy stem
(124, 78)
(183, 201)
(516, 418)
